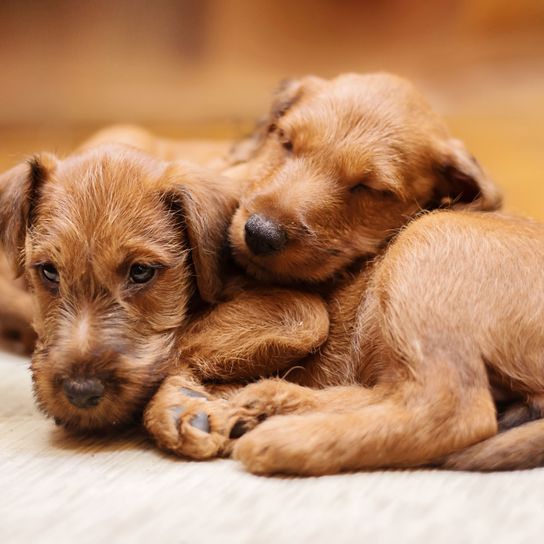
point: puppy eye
(367, 183)
(50, 273)
(142, 273)
(360, 186)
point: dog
(16, 332)
(125, 257)
(417, 367)
(445, 327)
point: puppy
(445, 326)
(419, 338)
(16, 333)
(125, 257)
(342, 166)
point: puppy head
(343, 165)
(110, 242)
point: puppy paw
(276, 447)
(188, 423)
(258, 401)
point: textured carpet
(57, 489)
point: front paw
(272, 448)
(291, 445)
(258, 401)
(187, 422)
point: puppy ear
(19, 192)
(288, 92)
(462, 184)
(204, 203)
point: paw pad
(176, 413)
(201, 422)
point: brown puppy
(124, 254)
(445, 326)
(345, 164)
(16, 333)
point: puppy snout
(263, 235)
(83, 392)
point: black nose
(83, 392)
(263, 235)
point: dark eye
(50, 273)
(142, 273)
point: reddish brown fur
(426, 327)
(344, 165)
(92, 216)
(367, 154)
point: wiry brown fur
(95, 214)
(424, 328)
(365, 153)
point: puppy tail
(515, 449)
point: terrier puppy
(417, 335)
(125, 257)
(341, 166)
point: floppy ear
(289, 92)
(462, 183)
(19, 191)
(205, 203)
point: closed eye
(361, 186)
(366, 183)
(369, 185)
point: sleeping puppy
(444, 327)
(341, 166)
(125, 257)
(421, 338)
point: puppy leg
(519, 413)
(254, 403)
(408, 428)
(257, 333)
(185, 419)
(520, 445)
(516, 449)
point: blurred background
(207, 68)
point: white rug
(56, 489)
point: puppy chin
(314, 265)
(95, 420)
(96, 426)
